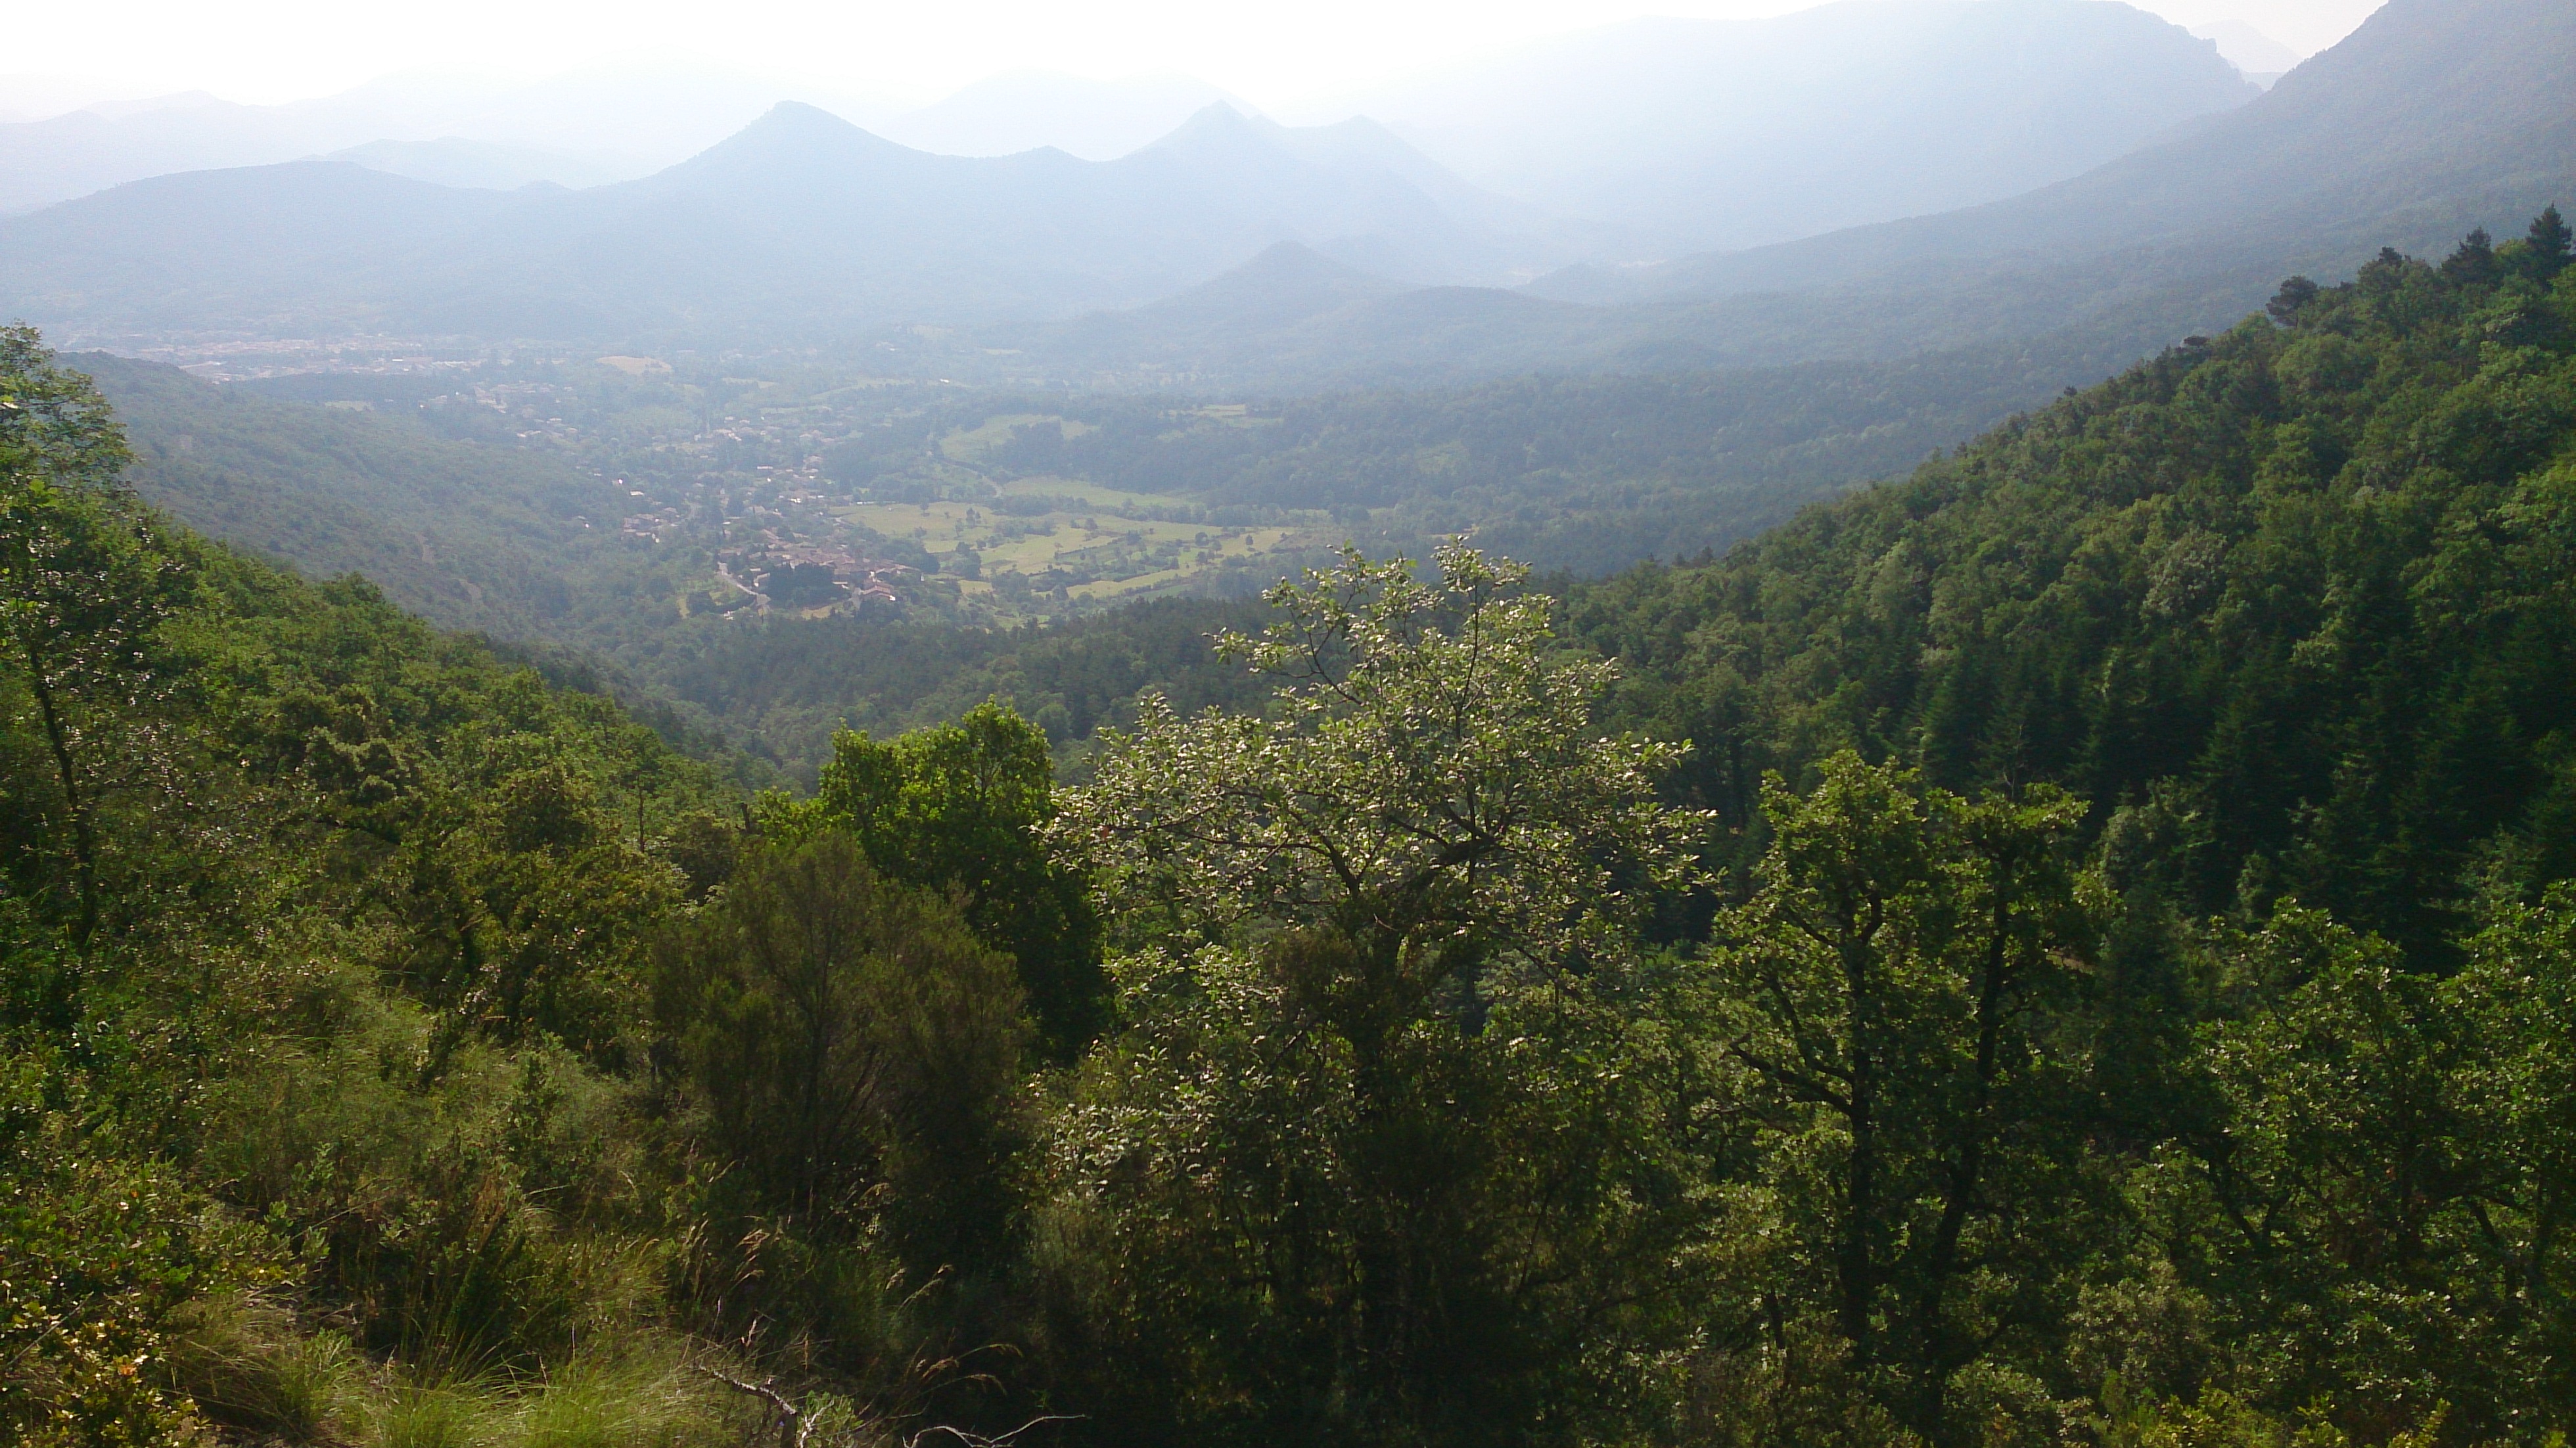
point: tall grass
(260, 1377)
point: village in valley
(784, 479)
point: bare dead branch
(978, 1440)
(794, 1427)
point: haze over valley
(1390, 724)
(1634, 291)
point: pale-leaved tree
(1371, 1160)
(1427, 781)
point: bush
(855, 1054)
(100, 1252)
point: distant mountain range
(1239, 253)
(1097, 120)
(1705, 134)
(485, 165)
(1667, 135)
(575, 129)
(800, 227)
(583, 128)
(2434, 117)
(1677, 135)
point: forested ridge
(487, 538)
(2071, 948)
(2293, 599)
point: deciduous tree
(85, 580)
(1899, 981)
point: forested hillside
(783, 688)
(2074, 949)
(316, 927)
(520, 543)
(2290, 602)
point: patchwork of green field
(713, 594)
(1093, 495)
(1103, 590)
(970, 444)
(936, 526)
(1096, 552)
(1018, 536)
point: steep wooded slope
(2295, 601)
(509, 541)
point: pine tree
(2549, 243)
(2475, 261)
(2295, 293)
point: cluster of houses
(806, 577)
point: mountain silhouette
(1017, 111)
(1726, 133)
(2432, 117)
(610, 122)
(799, 224)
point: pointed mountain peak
(1216, 118)
(1215, 127)
(796, 118)
(790, 136)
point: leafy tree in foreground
(1362, 1169)
(84, 582)
(1428, 782)
(1900, 984)
(2388, 1201)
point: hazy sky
(274, 50)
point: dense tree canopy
(1353, 1173)
(961, 807)
(2298, 595)
(2076, 949)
